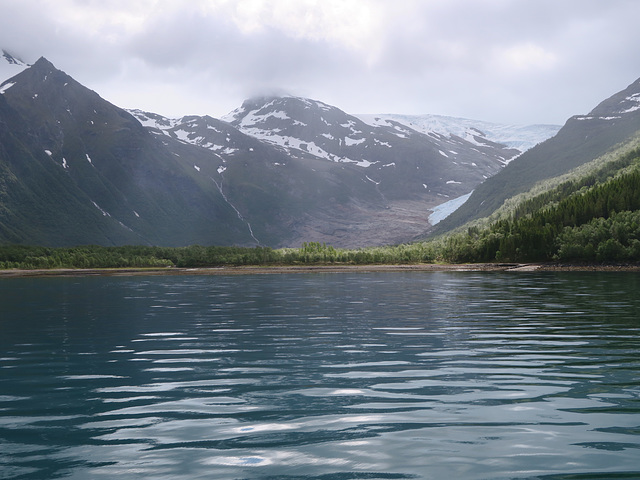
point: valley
(279, 172)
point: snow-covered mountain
(305, 127)
(10, 65)
(520, 137)
(202, 131)
(398, 160)
(424, 163)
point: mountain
(76, 169)
(278, 171)
(306, 129)
(582, 139)
(367, 185)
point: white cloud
(519, 61)
(525, 57)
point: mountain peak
(41, 73)
(42, 66)
(288, 107)
(43, 62)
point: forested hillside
(594, 216)
(582, 139)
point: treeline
(132, 256)
(196, 256)
(597, 176)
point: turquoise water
(425, 375)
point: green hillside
(591, 214)
(582, 139)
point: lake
(416, 375)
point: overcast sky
(508, 61)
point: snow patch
(349, 124)
(6, 87)
(633, 98)
(182, 135)
(279, 114)
(229, 150)
(104, 214)
(365, 163)
(384, 144)
(372, 181)
(349, 142)
(221, 169)
(89, 158)
(445, 209)
(196, 167)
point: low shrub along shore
(310, 257)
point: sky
(505, 61)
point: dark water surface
(426, 375)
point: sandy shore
(253, 270)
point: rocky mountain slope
(277, 171)
(582, 139)
(75, 169)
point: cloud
(525, 58)
(524, 62)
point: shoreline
(275, 269)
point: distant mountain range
(277, 171)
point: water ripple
(407, 375)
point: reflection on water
(324, 376)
